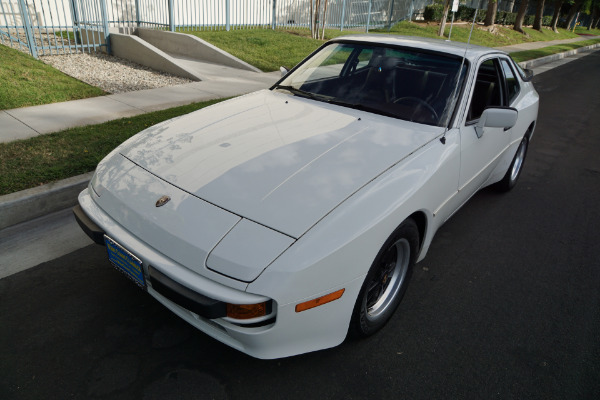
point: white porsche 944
(280, 221)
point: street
(506, 305)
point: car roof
(443, 46)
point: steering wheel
(418, 103)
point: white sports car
(280, 221)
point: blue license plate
(125, 262)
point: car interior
(402, 84)
(487, 91)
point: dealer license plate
(124, 261)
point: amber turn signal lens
(246, 311)
(319, 301)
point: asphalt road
(506, 305)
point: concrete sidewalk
(538, 45)
(26, 122)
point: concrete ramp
(181, 55)
(192, 47)
(219, 72)
(133, 48)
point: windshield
(403, 83)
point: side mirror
(528, 75)
(496, 117)
(283, 71)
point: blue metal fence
(53, 26)
(242, 14)
(61, 26)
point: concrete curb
(544, 60)
(41, 200)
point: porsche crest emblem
(162, 201)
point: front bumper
(281, 333)
(168, 288)
(88, 226)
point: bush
(528, 20)
(465, 13)
(505, 18)
(434, 12)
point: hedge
(434, 13)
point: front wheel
(514, 170)
(386, 281)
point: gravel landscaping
(111, 74)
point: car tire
(386, 281)
(516, 166)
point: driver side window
(487, 91)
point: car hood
(275, 159)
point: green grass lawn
(266, 49)
(46, 158)
(546, 51)
(269, 49)
(28, 82)
(584, 30)
(504, 36)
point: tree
(521, 16)
(539, 15)
(594, 19)
(444, 18)
(323, 26)
(591, 8)
(572, 11)
(316, 17)
(490, 15)
(557, 5)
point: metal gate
(44, 27)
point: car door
(479, 155)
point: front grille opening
(201, 307)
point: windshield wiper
(303, 93)
(294, 90)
